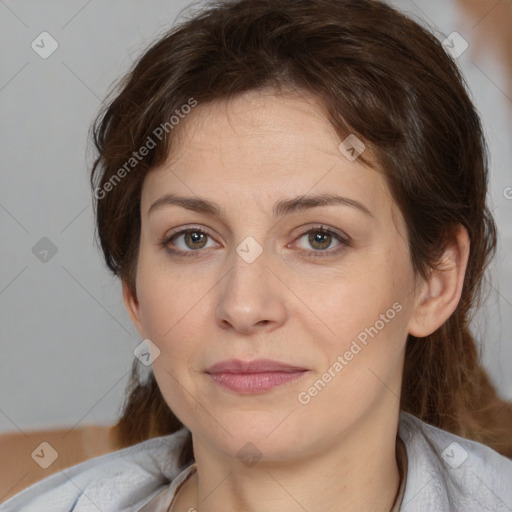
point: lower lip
(254, 382)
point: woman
(293, 193)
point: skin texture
(337, 452)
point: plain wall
(66, 340)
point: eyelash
(344, 243)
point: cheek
(349, 299)
(167, 299)
(364, 311)
(173, 313)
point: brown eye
(320, 239)
(187, 242)
(195, 239)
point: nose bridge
(248, 265)
(248, 296)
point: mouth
(253, 376)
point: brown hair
(378, 75)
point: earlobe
(133, 308)
(441, 292)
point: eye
(321, 238)
(192, 240)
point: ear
(133, 308)
(440, 293)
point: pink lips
(253, 376)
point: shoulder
(448, 472)
(122, 480)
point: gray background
(66, 340)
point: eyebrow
(281, 208)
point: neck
(358, 473)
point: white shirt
(445, 473)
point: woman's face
(277, 275)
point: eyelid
(304, 230)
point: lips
(258, 376)
(257, 366)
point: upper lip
(255, 366)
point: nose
(250, 297)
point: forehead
(275, 128)
(260, 147)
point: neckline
(178, 483)
(163, 500)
